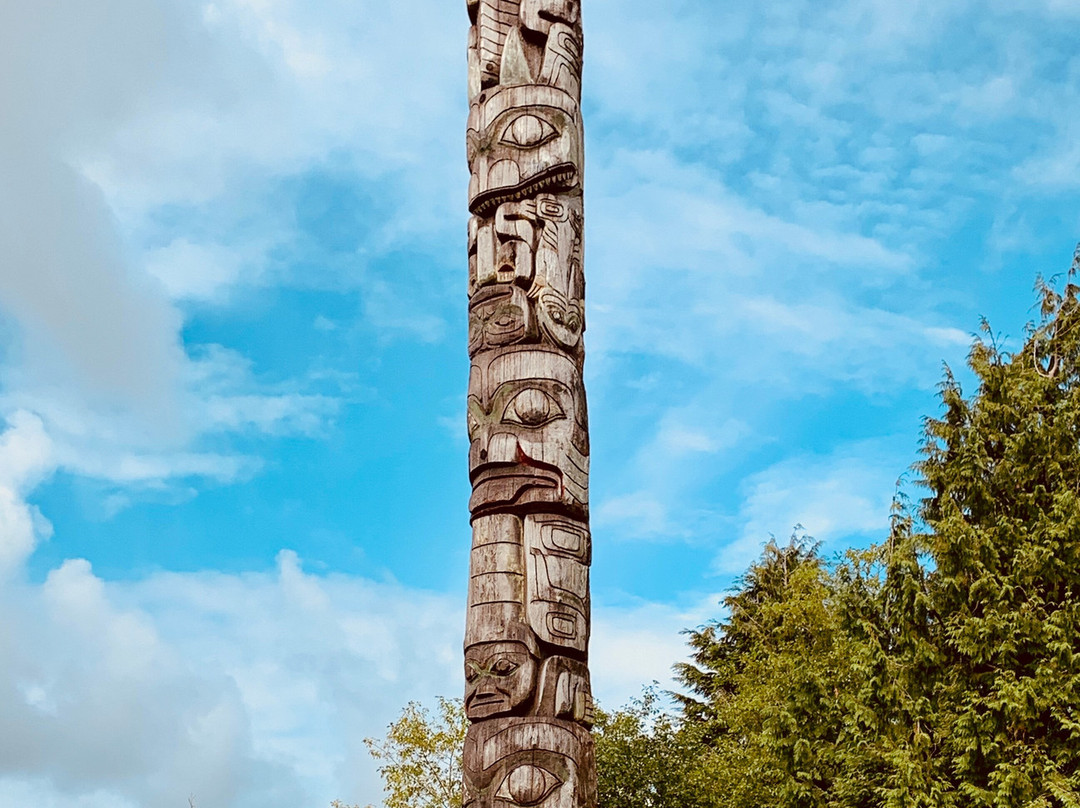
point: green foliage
(421, 757)
(893, 756)
(940, 669)
(771, 684)
(648, 758)
(1003, 530)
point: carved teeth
(486, 204)
(528, 689)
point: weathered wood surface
(529, 762)
(527, 635)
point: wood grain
(528, 690)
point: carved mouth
(485, 705)
(558, 177)
(504, 485)
(485, 699)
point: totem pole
(527, 689)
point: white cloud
(690, 440)
(360, 79)
(25, 453)
(137, 114)
(641, 510)
(41, 793)
(198, 271)
(837, 496)
(26, 458)
(230, 398)
(85, 320)
(1059, 169)
(218, 394)
(772, 301)
(638, 644)
(95, 348)
(251, 689)
(244, 690)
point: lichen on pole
(527, 691)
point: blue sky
(233, 523)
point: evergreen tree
(772, 683)
(893, 755)
(941, 668)
(1002, 527)
(646, 758)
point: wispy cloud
(668, 469)
(146, 176)
(782, 199)
(840, 496)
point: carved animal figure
(527, 683)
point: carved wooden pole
(526, 642)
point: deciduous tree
(420, 757)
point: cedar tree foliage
(938, 669)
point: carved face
(528, 763)
(528, 431)
(535, 243)
(500, 677)
(521, 141)
(498, 315)
(561, 319)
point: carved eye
(528, 132)
(552, 209)
(532, 408)
(528, 785)
(504, 667)
(473, 426)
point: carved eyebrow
(509, 390)
(489, 663)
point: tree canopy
(939, 668)
(420, 757)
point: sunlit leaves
(420, 758)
